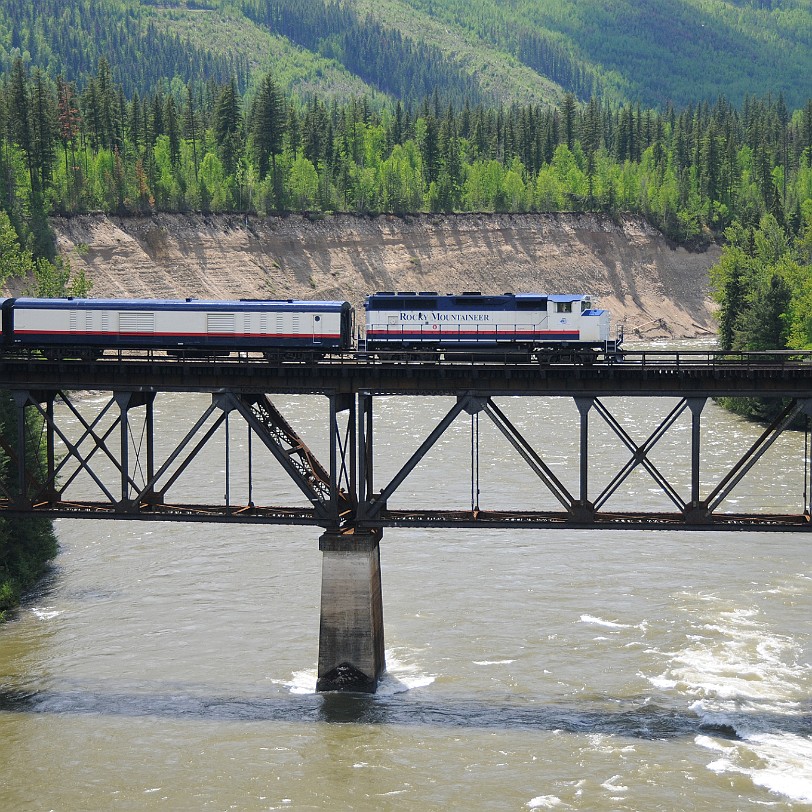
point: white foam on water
(302, 682)
(612, 786)
(599, 621)
(544, 802)
(46, 612)
(399, 677)
(778, 762)
(493, 662)
(746, 679)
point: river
(173, 666)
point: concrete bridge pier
(351, 650)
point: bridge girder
(109, 443)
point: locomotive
(523, 325)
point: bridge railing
(628, 357)
(717, 359)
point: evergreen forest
(670, 51)
(692, 171)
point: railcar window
(531, 304)
(585, 305)
(563, 307)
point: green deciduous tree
(304, 184)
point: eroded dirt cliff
(655, 288)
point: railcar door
(318, 329)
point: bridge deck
(649, 373)
(342, 493)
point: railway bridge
(87, 443)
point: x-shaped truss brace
(580, 508)
(331, 494)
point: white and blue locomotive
(529, 324)
(526, 323)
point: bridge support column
(351, 652)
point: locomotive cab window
(563, 307)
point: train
(524, 325)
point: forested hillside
(655, 53)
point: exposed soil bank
(655, 288)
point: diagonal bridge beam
(690, 509)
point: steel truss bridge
(98, 433)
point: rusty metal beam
(640, 454)
(755, 453)
(341, 495)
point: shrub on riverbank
(26, 544)
(26, 548)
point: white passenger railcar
(86, 327)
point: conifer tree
(228, 126)
(135, 122)
(568, 109)
(43, 130)
(191, 125)
(20, 114)
(92, 116)
(69, 122)
(267, 125)
(430, 148)
(172, 127)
